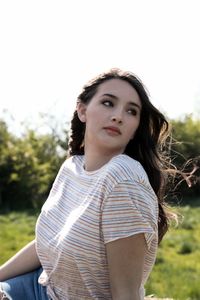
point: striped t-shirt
(84, 211)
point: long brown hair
(149, 143)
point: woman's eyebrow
(116, 98)
(111, 96)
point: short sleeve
(56, 186)
(130, 208)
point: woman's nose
(117, 119)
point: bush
(186, 248)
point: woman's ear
(81, 111)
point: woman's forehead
(119, 88)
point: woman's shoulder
(69, 165)
(126, 168)
(76, 160)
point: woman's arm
(126, 263)
(26, 260)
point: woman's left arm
(126, 263)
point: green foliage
(187, 133)
(16, 230)
(28, 166)
(186, 247)
(186, 153)
(177, 270)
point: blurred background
(49, 50)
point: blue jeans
(24, 287)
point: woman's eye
(107, 103)
(132, 111)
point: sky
(50, 49)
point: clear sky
(49, 49)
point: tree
(28, 166)
(186, 152)
(6, 140)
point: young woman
(98, 232)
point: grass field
(177, 270)
(176, 273)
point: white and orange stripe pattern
(86, 210)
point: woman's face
(112, 116)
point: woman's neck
(94, 159)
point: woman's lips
(113, 130)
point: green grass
(16, 230)
(176, 273)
